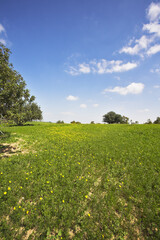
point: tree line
(112, 117)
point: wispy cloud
(154, 49)
(156, 86)
(95, 105)
(144, 110)
(133, 88)
(67, 113)
(2, 29)
(155, 70)
(83, 106)
(72, 98)
(102, 66)
(147, 43)
(3, 41)
(140, 45)
(153, 12)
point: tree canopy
(112, 117)
(157, 121)
(16, 103)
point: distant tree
(15, 101)
(148, 121)
(157, 121)
(112, 117)
(78, 122)
(60, 122)
(92, 122)
(125, 120)
(73, 122)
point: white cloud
(72, 98)
(133, 88)
(119, 66)
(2, 41)
(144, 110)
(155, 70)
(95, 105)
(2, 29)
(67, 113)
(156, 86)
(153, 50)
(81, 68)
(140, 44)
(72, 71)
(83, 106)
(146, 44)
(84, 68)
(152, 28)
(102, 66)
(153, 11)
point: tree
(157, 121)
(112, 117)
(149, 121)
(125, 120)
(60, 122)
(15, 101)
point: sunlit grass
(81, 182)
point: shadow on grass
(7, 150)
(4, 135)
(25, 125)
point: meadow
(80, 181)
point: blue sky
(84, 58)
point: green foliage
(59, 122)
(80, 182)
(149, 121)
(157, 121)
(112, 117)
(74, 122)
(15, 101)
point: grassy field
(65, 181)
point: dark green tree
(15, 101)
(112, 117)
(125, 120)
(157, 121)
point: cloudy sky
(82, 59)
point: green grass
(80, 182)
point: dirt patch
(9, 149)
(29, 232)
